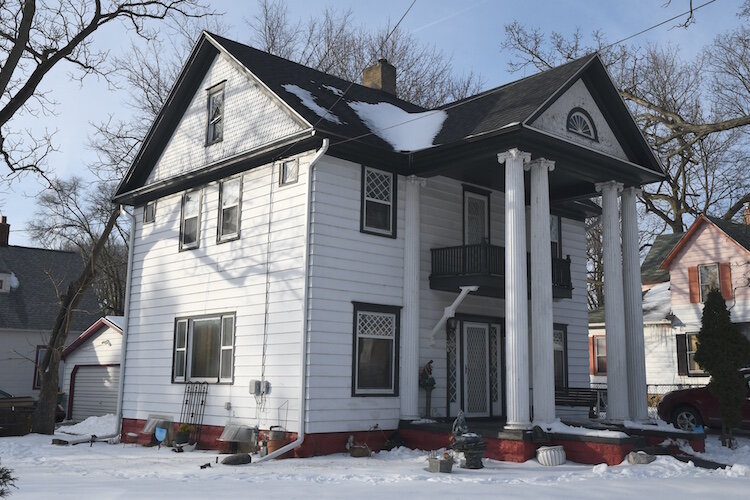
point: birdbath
(470, 444)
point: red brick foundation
(587, 452)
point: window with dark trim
(190, 219)
(560, 353)
(378, 213)
(41, 350)
(476, 216)
(375, 351)
(204, 349)
(600, 355)
(555, 233)
(289, 172)
(149, 212)
(580, 123)
(215, 126)
(230, 197)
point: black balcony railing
(483, 264)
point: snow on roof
(335, 90)
(118, 321)
(403, 130)
(309, 101)
(657, 303)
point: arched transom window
(580, 123)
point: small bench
(579, 396)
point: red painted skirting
(510, 450)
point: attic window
(580, 123)
(215, 127)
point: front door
(476, 369)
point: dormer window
(580, 123)
(215, 128)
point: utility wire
(495, 90)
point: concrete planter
(550, 455)
(440, 465)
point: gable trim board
(702, 219)
(90, 331)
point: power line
(689, 11)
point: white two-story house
(305, 245)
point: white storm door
(476, 370)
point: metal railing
(487, 260)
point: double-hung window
(41, 350)
(204, 349)
(190, 222)
(692, 346)
(375, 364)
(378, 214)
(600, 355)
(555, 236)
(708, 276)
(149, 212)
(560, 353)
(230, 194)
(215, 127)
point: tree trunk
(43, 421)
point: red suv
(689, 408)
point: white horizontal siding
(102, 348)
(217, 278)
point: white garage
(92, 370)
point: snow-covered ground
(127, 471)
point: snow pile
(657, 303)
(403, 130)
(309, 101)
(98, 426)
(653, 425)
(559, 427)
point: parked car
(690, 408)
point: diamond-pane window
(494, 392)
(580, 123)
(450, 347)
(378, 195)
(375, 349)
(215, 127)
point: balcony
(483, 265)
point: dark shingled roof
(505, 105)
(41, 273)
(651, 272)
(276, 72)
(738, 232)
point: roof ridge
(226, 41)
(42, 249)
(514, 82)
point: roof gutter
(303, 345)
(125, 323)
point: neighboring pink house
(713, 253)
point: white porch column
(614, 312)
(631, 271)
(543, 360)
(409, 374)
(516, 298)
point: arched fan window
(580, 122)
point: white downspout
(303, 375)
(125, 321)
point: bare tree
(36, 37)
(696, 124)
(332, 43)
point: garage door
(95, 391)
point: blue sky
(470, 32)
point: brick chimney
(4, 232)
(381, 76)
(745, 214)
